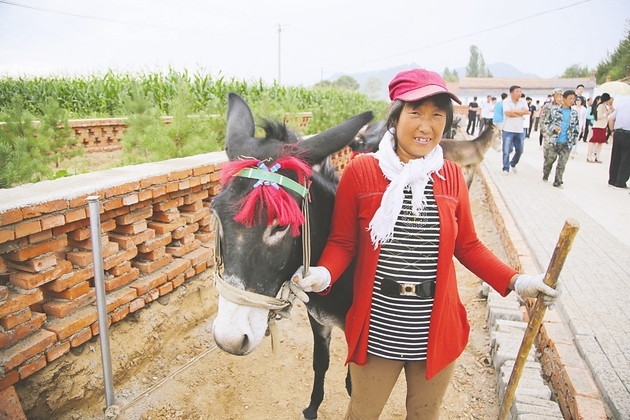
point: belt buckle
(408, 289)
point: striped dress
(399, 326)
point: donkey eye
(279, 229)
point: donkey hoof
(309, 414)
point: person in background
(536, 115)
(581, 110)
(589, 119)
(579, 94)
(487, 111)
(497, 116)
(514, 108)
(600, 112)
(473, 107)
(532, 109)
(619, 169)
(394, 210)
(526, 121)
(562, 125)
(554, 99)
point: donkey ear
(317, 148)
(240, 124)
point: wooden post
(571, 226)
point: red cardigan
(358, 197)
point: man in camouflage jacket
(562, 127)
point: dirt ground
(166, 365)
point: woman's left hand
(527, 286)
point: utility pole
(279, 54)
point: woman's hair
(441, 100)
(594, 106)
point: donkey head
(259, 221)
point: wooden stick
(571, 226)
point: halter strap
(274, 177)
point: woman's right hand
(317, 280)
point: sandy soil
(166, 365)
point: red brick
(8, 217)
(174, 176)
(87, 243)
(123, 279)
(215, 176)
(166, 216)
(119, 314)
(189, 273)
(158, 191)
(193, 207)
(8, 380)
(95, 328)
(86, 233)
(120, 297)
(214, 189)
(113, 213)
(71, 279)
(36, 264)
(149, 282)
(185, 230)
(57, 351)
(167, 205)
(27, 348)
(132, 229)
(181, 250)
(204, 237)
(145, 195)
(43, 208)
(177, 267)
(70, 293)
(195, 216)
(151, 296)
(122, 189)
(63, 308)
(16, 302)
(130, 199)
(151, 266)
(72, 226)
(161, 228)
(28, 369)
(136, 304)
(12, 336)
(4, 294)
(76, 214)
(120, 269)
(206, 228)
(40, 237)
(154, 180)
(177, 281)
(50, 222)
(187, 239)
(155, 243)
(10, 407)
(6, 235)
(85, 258)
(16, 318)
(65, 327)
(82, 200)
(153, 255)
(35, 250)
(124, 255)
(136, 216)
(203, 170)
(190, 199)
(165, 288)
(81, 337)
(205, 221)
(30, 281)
(201, 267)
(129, 241)
(27, 228)
(193, 182)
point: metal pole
(101, 304)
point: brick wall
(156, 234)
(103, 134)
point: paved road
(596, 276)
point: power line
(462, 36)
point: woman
(600, 110)
(404, 212)
(581, 110)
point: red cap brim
(425, 92)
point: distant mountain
(502, 70)
(384, 76)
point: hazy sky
(318, 38)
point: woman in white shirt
(581, 110)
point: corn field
(103, 95)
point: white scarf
(415, 173)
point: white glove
(317, 280)
(527, 286)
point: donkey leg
(321, 361)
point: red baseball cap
(413, 85)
